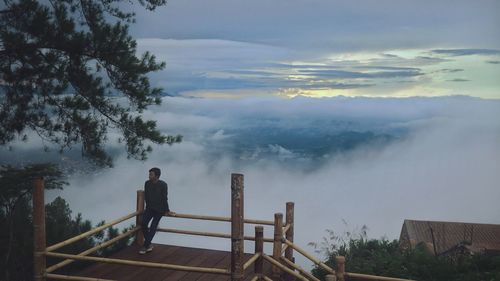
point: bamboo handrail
(252, 238)
(286, 228)
(78, 278)
(373, 277)
(284, 249)
(91, 250)
(284, 268)
(266, 278)
(209, 234)
(303, 271)
(255, 278)
(313, 259)
(141, 263)
(199, 217)
(199, 233)
(264, 222)
(251, 261)
(217, 218)
(90, 232)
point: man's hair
(156, 171)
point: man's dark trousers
(146, 218)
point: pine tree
(69, 72)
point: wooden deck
(171, 255)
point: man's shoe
(149, 249)
(143, 251)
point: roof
(447, 235)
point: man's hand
(171, 214)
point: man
(156, 195)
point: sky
(318, 48)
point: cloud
(393, 68)
(426, 60)
(450, 70)
(333, 73)
(219, 135)
(466, 52)
(443, 168)
(458, 80)
(203, 68)
(223, 68)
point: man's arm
(146, 193)
(169, 213)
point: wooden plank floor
(171, 255)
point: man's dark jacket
(156, 196)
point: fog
(445, 167)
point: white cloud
(447, 169)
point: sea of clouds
(444, 166)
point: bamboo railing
(251, 260)
(79, 278)
(237, 218)
(300, 269)
(284, 268)
(311, 258)
(281, 260)
(371, 277)
(216, 218)
(90, 232)
(91, 250)
(207, 234)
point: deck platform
(167, 254)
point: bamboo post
(237, 221)
(139, 236)
(259, 249)
(289, 235)
(330, 277)
(340, 267)
(39, 229)
(278, 236)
